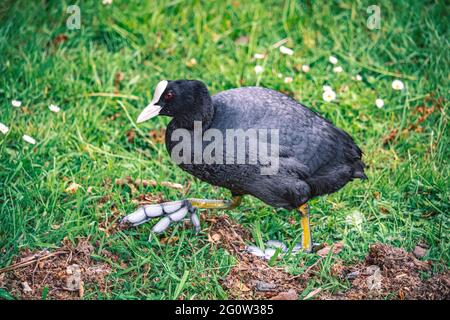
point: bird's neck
(202, 111)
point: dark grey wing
(320, 153)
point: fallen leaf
(392, 135)
(120, 76)
(60, 38)
(312, 293)
(130, 135)
(73, 187)
(81, 289)
(334, 248)
(169, 240)
(158, 135)
(289, 295)
(242, 287)
(172, 185)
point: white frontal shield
(152, 110)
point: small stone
(26, 287)
(353, 275)
(419, 252)
(264, 286)
(370, 270)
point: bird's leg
(176, 211)
(307, 244)
(216, 204)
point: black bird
(314, 157)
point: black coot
(314, 157)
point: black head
(184, 100)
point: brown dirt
(430, 105)
(251, 277)
(387, 272)
(393, 273)
(65, 273)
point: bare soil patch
(387, 272)
(62, 274)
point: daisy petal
(338, 69)
(333, 60)
(286, 50)
(3, 128)
(305, 68)
(329, 95)
(16, 103)
(259, 69)
(379, 103)
(327, 88)
(28, 139)
(397, 85)
(54, 108)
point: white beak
(152, 110)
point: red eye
(169, 96)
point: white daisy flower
(327, 88)
(329, 95)
(338, 69)
(358, 77)
(107, 2)
(355, 218)
(333, 59)
(3, 128)
(305, 68)
(16, 103)
(286, 50)
(379, 103)
(54, 108)
(280, 75)
(397, 85)
(28, 139)
(259, 69)
(259, 56)
(288, 80)
(73, 187)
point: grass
(405, 200)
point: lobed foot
(169, 211)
